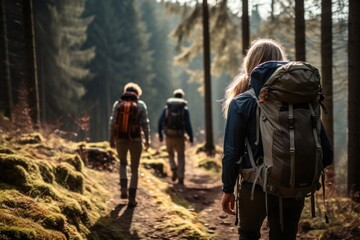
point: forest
(65, 62)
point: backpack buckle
(314, 121)
(291, 123)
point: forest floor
(59, 194)
(202, 190)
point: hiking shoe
(132, 196)
(132, 204)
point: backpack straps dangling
(292, 145)
(316, 139)
(237, 199)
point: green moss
(46, 171)
(20, 227)
(39, 189)
(68, 178)
(209, 164)
(32, 138)
(75, 214)
(6, 150)
(75, 161)
(13, 174)
(156, 165)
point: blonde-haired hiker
(240, 141)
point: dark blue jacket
(241, 123)
(187, 123)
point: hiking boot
(174, 174)
(123, 188)
(132, 195)
(181, 181)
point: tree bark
(245, 26)
(7, 89)
(209, 141)
(354, 97)
(31, 68)
(300, 52)
(327, 66)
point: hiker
(243, 147)
(175, 122)
(128, 118)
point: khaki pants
(253, 212)
(133, 147)
(176, 144)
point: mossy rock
(17, 209)
(158, 166)
(209, 164)
(6, 150)
(14, 170)
(46, 171)
(68, 178)
(75, 161)
(17, 228)
(75, 214)
(33, 138)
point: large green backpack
(288, 119)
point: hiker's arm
(111, 126)
(145, 126)
(234, 142)
(328, 153)
(188, 127)
(161, 124)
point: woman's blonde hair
(133, 87)
(261, 50)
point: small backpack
(126, 124)
(288, 120)
(174, 119)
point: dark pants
(253, 212)
(134, 148)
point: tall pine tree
(60, 33)
(122, 56)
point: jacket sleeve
(188, 127)
(234, 143)
(144, 123)
(161, 123)
(111, 121)
(328, 153)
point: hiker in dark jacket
(130, 142)
(175, 122)
(240, 112)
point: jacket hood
(261, 73)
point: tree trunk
(326, 67)
(245, 26)
(5, 65)
(300, 52)
(31, 68)
(209, 141)
(354, 97)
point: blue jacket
(241, 123)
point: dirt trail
(201, 189)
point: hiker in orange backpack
(268, 152)
(128, 118)
(175, 122)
